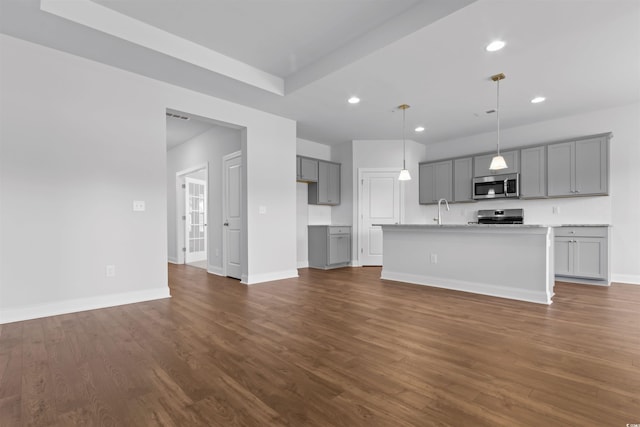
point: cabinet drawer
(339, 230)
(581, 231)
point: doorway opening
(200, 206)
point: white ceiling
(279, 37)
(581, 54)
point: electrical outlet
(556, 210)
(434, 258)
(262, 210)
(110, 270)
(138, 206)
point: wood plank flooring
(334, 348)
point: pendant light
(404, 173)
(498, 161)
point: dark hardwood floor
(335, 348)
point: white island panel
(508, 261)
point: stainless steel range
(501, 216)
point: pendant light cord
(498, 113)
(404, 150)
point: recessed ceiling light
(353, 100)
(495, 45)
(420, 129)
(538, 99)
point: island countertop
(464, 226)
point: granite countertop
(582, 225)
(466, 225)
(493, 225)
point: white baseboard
(630, 279)
(472, 287)
(80, 304)
(173, 260)
(303, 264)
(215, 270)
(268, 277)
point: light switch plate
(262, 209)
(138, 206)
(110, 270)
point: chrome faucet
(439, 213)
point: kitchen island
(508, 261)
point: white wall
(307, 214)
(209, 147)
(80, 142)
(619, 209)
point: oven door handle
(506, 187)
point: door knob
(226, 224)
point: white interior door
(232, 210)
(379, 204)
(195, 219)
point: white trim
(630, 279)
(303, 264)
(173, 260)
(268, 277)
(594, 282)
(473, 287)
(215, 270)
(81, 304)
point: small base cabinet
(329, 246)
(582, 254)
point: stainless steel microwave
(496, 186)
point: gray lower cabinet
(327, 190)
(582, 253)
(481, 164)
(435, 182)
(462, 178)
(578, 168)
(307, 169)
(329, 246)
(533, 173)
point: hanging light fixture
(404, 173)
(498, 161)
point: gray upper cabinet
(578, 168)
(533, 174)
(462, 176)
(592, 166)
(307, 169)
(327, 190)
(481, 164)
(435, 182)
